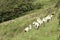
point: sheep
(36, 24)
(44, 20)
(39, 21)
(28, 28)
(49, 17)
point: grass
(14, 29)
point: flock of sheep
(39, 22)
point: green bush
(11, 9)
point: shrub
(15, 8)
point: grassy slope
(13, 30)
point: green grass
(14, 30)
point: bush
(15, 8)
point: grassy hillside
(14, 29)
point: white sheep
(44, 20)
(39, 21)
(49, 17)
(36, 24)
(28, 28)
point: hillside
(14, 29)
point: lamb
(28, 28)
(39, 21)
(36, 24)
(44, 20)
(49, 17)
